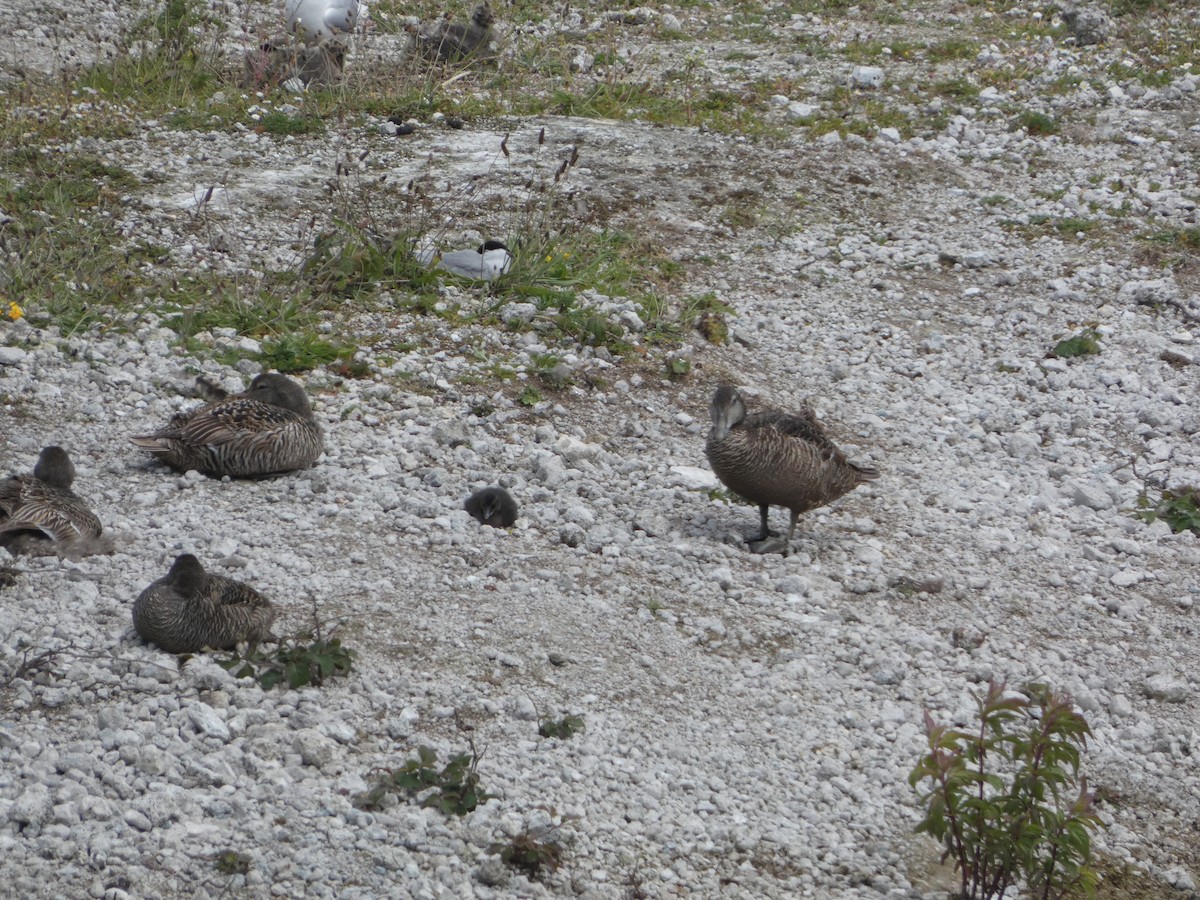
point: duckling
(775, 458)
(40, 514)
(267, 429)
(447, 41)
(188, 610)
(492, 506)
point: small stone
(1126, 578)
(492, 872)
(1087, 25)
(314, 748)
(11, 356)
(32, 807)
(1090, 496)
(867, 77)
(1166, 688)
(138, 820)
(206, 720)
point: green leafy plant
(531, 852)
(1007, 801)
(567, 726)
(298, 660)
(1179, 509)
(529, 396)
(1086, 343)
(453, 789)
(230, 862)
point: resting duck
(40, 514)
(267, 429)
(446, 41)
(189, 610)
(775, 458)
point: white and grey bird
(775, 458)
(189, 609)
(40, 514)
(487, 262)
(318, 21)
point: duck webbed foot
(772, 543)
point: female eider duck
(189, 610)
(775, 458)
(40, 514)
(267, 429)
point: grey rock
(315, 749)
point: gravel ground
(750, 721)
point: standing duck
(775, 458)
(189, 610)
(267, 429)
(39, 513)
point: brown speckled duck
(40, 514)
(448, 41)
(190, 609)
(267, 429)
(775, 458)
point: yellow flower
(14, 312)
(549, 257)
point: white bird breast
(487, 266)
(322, 20)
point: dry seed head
(542, 136)
(504, 146)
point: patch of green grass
(1185, 238)
(1035, 123)
(952, 49)
(231, 862)
(956, 88)
(57, 252)
(1085, 343)
(278, 123)
(530, 396)
(299, 352)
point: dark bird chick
(493, 506)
